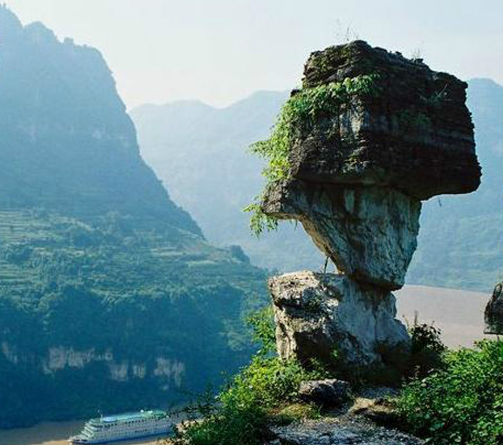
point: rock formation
(328, 393)
(494, 312)
(318, 314)
(372, 134)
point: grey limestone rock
(370, 233)
(317, 314)
(325, 393)
(494, 312)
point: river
(53, 433)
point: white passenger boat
(124, 427)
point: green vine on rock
(299, 115)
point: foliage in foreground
(427, 350)
(262, 390)
(455, 397)
(461, 403)
(243, 409)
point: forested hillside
(110, 297)
(201, 154)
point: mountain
(201, 154)
(110, 296)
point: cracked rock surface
(316, 313)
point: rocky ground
(340, 431)
(358, 422)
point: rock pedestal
(395, 133)
(369, 232)
(333, 318)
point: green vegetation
(138, 291)
(300, 114)
(413, 121)
(264, 391)
(427, 350)
(110, 297)
(447, 397)
(461, 403)
(264, 329)
(243, 409)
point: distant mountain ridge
(202, 154)
(203, 158)
(111, 299)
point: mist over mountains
(201, 153)
(110, 296)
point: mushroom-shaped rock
(494, 312)
(368, 137)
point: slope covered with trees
(110, 297)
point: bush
(264, 329)
(259, 393)
(461, 403)
(427, 350)
(243, 409)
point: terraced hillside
(110, 297)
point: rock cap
(392, 122)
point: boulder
(325, 393)
(331, 317)
(382, 412)
(494, 312)
(369, 232)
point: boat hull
(124, 439)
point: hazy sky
(220, 51)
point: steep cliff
(110, 297)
